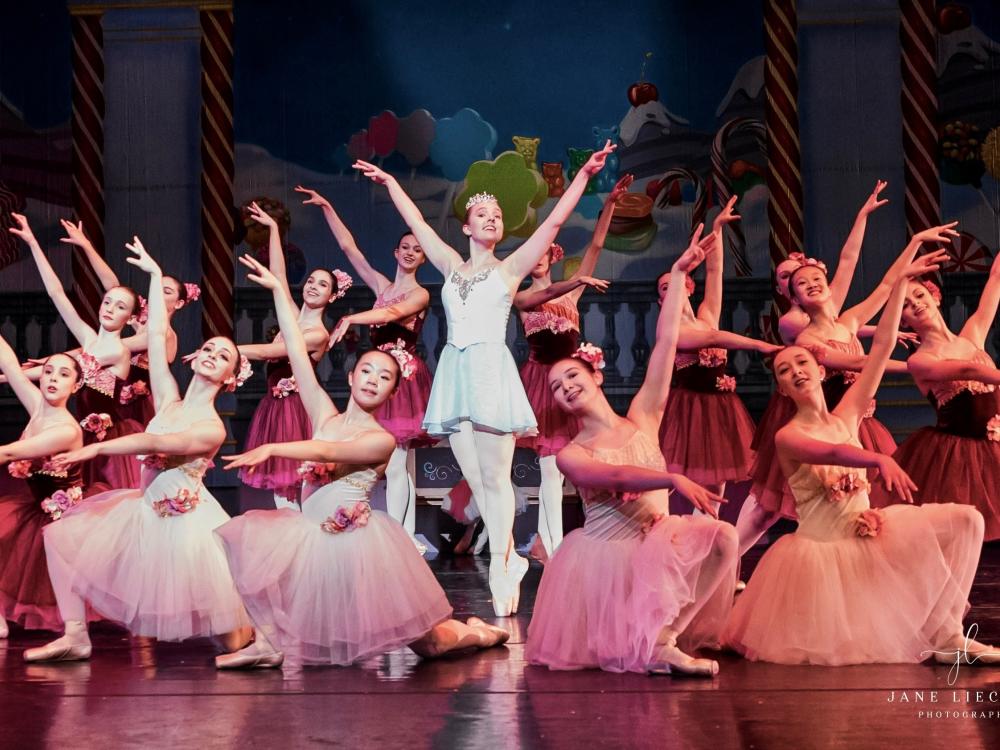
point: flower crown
(344, 282)
(556, 252)
(405, 360)
(802, 260)
(236, 381)
(193, 291)
(591, 354)
(479, 198)
(932, 288)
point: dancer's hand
(339, 331)
(696, 251)
(895, 479)
(926, 263)
(726, 216)
(767, 349)
(373, 173)
(23, 229)
(143, 259)
(700, 498)
(596, 161)
(942, 233)
(600, 285)
(874, 203)
(621, 187)
(251, 458)
(74, 234)
(261, 216)
(62, 461)
(314, 199)
(260, 274)
(908, 339)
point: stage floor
(134, 694)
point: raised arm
(371, 447)
(851, 251)
(75, 236)
(162, 382)
(372, 278)
(76, 325)
(438, 252)
(275, 255)
(519, 263)
(864, 311)
(977, 327)
(26, 391)
(588, 264)
(650, 401)
(317, 403)
(710, 308)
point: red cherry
(653, 188)
(953, 17)
(641, 92)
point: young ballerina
(958, 459)
(620, 592)
(398, 316)
(147, 558)
(104, 361)
(706, 430)
(853, 584)
(280, 416)
(832, 336)
(338, 582)
(135, 392)
(477, 399)
(551, 319)
(26, 595)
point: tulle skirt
(478, 384)
(161, 577)
(951, 469)
(706, 436)
(603, 603)
(860, 600)
(338, 598)
(277, 420)
(403, 414)
(556, 428)
(25, 591)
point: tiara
(592, 354)
(344, 282)
(479, 198)
(403, 358)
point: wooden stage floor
(135, 694)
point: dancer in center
(477, 399)
(338, 582)
(621, 592)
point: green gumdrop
(508, 178)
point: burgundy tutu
(104, 416)
(403, 414)
(706, 430)
(137, 391)
(26, 595)
(279, 418)
(956, 461)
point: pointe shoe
(498, 635)
(741, 586)
(516, 569)
(971, 652)
(258, 655)
(74, 645)
(671, 660)
(4, 630)
(503, 599)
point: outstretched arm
(275, 255)
(75, 236)
(60, 437)
(593, 252)
(317, 403)
(650, 401)
(851, 251)
(529, 299)
(710, 308)
(162, 382)
(415, 301)
(977, 327)
(26, 391)
(689, 339)
(76, 325)
(438, 252)
(519, 263)
(202, 438)
(375, 281)
(928, 368)
(371, 447)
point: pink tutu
(556, 428)
(403, 414)
(334, 598)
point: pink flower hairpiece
(236, 381)
(932, 288)
(344, 282)
(193, 291)
(140, 317)
(802, 260)
(556, 252)
(405, 360)
(591, 354)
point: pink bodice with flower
(967, 408)
(390, 333)
(172, 485)
(703, 370)
(552, 329)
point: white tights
(753, 522)
(550, 501)
(400, 489)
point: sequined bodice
(322, 501)
(828, 499)
(101, 386)
(616, 515)
(477, 307)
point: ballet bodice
(967, 408)
(828, 499)
(702, 370)
(838, 381)
(42, 479)
(552, 330)
(477, 307)
(171, 484)
(612, 515)
(321, 499)
(101, 387)
(390, 333)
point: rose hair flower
(591, 354)
(99, 424)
